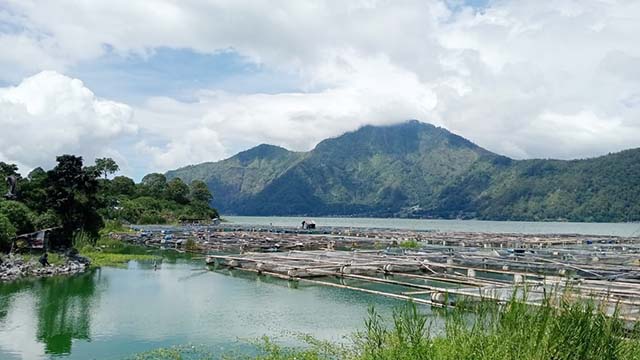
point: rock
(15, 267)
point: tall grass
(579, 331)
(82, 239)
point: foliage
(418, 170)
(46, 220)
(199, 192)
(73, 199)
(7, 232)
(81, 239)
(153, 185)
(122, 185)
(106, 166)
(113, 252)
(19, 215)
(184, 352)
(410, 244)
(99, 258)
(177, 191)
(72, 194)
(114, 226)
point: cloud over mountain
(525, 78)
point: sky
(159, 84)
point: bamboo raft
(441, 277)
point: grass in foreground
(577, 331)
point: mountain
(416, 169)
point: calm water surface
(111, 313)
(524, 227)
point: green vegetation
(77, 200)
(419, 170)
(7, 231)
(99, 259)
(410, 244)
(112, 252)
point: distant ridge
(414, 169)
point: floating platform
(442, 278)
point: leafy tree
(71, 193)
(177, 191)
(8, 169)
(199, 192)
(153, 184)
(46, 220)
(19, 215)
(33, 190)
(122, 185)
(106, 166)
(7, 232)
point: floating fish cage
(443, 277)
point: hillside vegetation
(418, 170)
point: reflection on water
(64, 310)
(113, 313)
(60, 307)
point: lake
(112, 313)
(524, 227)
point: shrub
(7, 232)
(19, 215)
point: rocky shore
(16, 267)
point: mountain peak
(417, 169)
(262, 151)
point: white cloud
(525, 78)
(220, 123)
(49, 114)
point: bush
(19, 215)
(410, 244)
(7, 232)
(46, 220)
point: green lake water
(113, 313)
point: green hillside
(418, 170)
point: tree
(177, 191)
(46, 220)
(106, 166)
(19, 215)
(153, 184)
(8, 169)
(122, 185)
(33, 190)
(7, 232)
(71, 193)
(199, 192)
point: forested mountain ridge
(415, 169)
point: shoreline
(16, 268)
